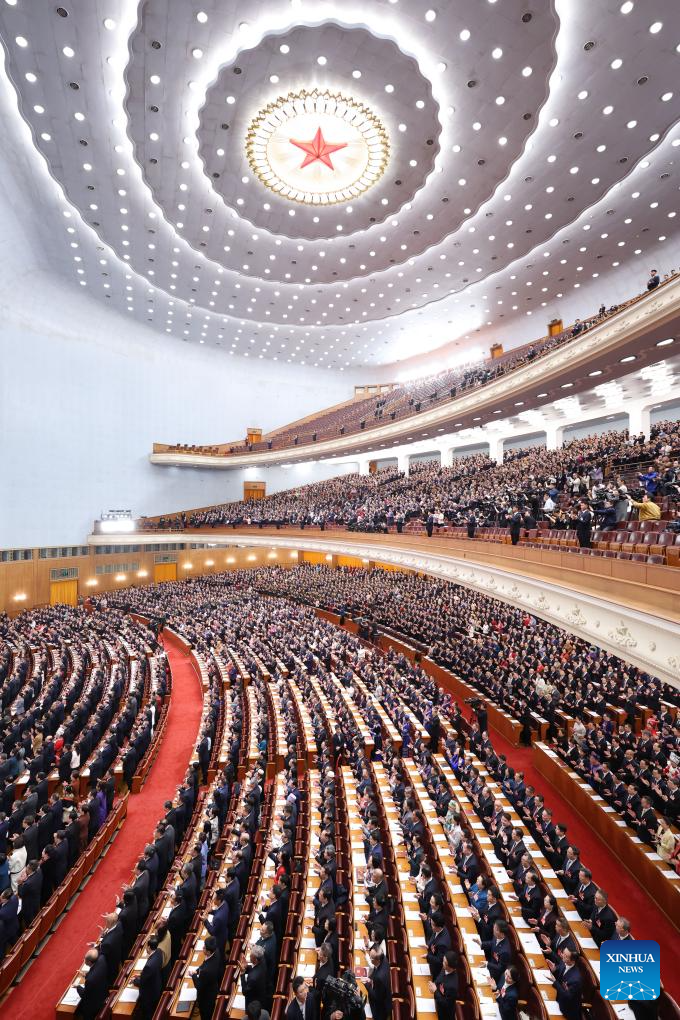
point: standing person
(471, 525)
(584, 525)
(429, 525)
(206, 978)
(515, 525)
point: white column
(639, 419)
(363, 465)
(447, 455)
(554, 437)
(403, 463)
(496, 449)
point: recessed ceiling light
(420, 104)
(502, 140)
(665, 343)
(631, 124)
(79, 116)
(627, 7)
(430, 15)
(356, 74)
(583, 94)
(616, 64)
(202, 17)
(566, 385)
(38, 108)
(527, 71)
(596, 372)
(656, 27)
(109, 24)
(497, 53)
(666, 97)
(68, 52)
(197, 53)
(155, 79)
(465, 35)
(284, 48)
(31, 77)
(541, 394)
(274, 78)
(607, 110)
(630, 357)
(322, 61)
(21, 41)
(389, 88)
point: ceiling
(532, 149)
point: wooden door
(164, 572)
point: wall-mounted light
(121, 577)
(271, 555)
(293, 555)
(210, 563)
(231, 559)
(142, 573)
(329, 556)
(251, 557)
(20, 596)
(187, 566)
(92, 583)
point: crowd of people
(580, 486)
(519, 662)
(71, 693)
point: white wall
(84, 393)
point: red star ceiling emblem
(318, 149)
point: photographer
(342, 1000)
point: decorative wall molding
(647, 641)
(632, 325)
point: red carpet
(47, 978)
(625, 894)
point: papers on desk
(306, 970)
(239, 1002)
(551, 1007)
(412, 915)
(129, 995)
(548, 873)
(477, 825)
(588, 943)
(572, 915)
(421, 969)
(200, 944)
(307, 943)
(543, 977)
(608, 808)
(463, 912)
(418, 942)
(519, 922)
(620, 822)
(530, 942)
(636, 839)
(560, 894)
(188, 993)
(309, 913)
(654, 857)
(667, 873)
(71, 997)
(595, 964)
(425, 1005)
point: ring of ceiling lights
(285, 64)
(342, 143)
(422, 271)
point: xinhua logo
(630, 969)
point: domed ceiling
(345, 184)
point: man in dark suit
(254, 978)
(301, 1006)
(602, 922)
(430, 888)
(206, 978)
(178, 921)
(567, 980)
(569, 869)
(9, 920)
(30, 891)
(561, 940)
(111, 945)
(497, 950)
(584, 897)
(438, 943)
(324, 910)
(140, 887)
(267, 940)
(516, 521)
(468, 869)
(150, 980)
(507, 997)
(379, 993)
(129, 918)
(274, 914)
(488, 917)
(445, 986)
(95, 989)
(218, 921)
(531, 898)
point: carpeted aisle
(44, 983)
(626, 895)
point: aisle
(626, 894)
(35, 997)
